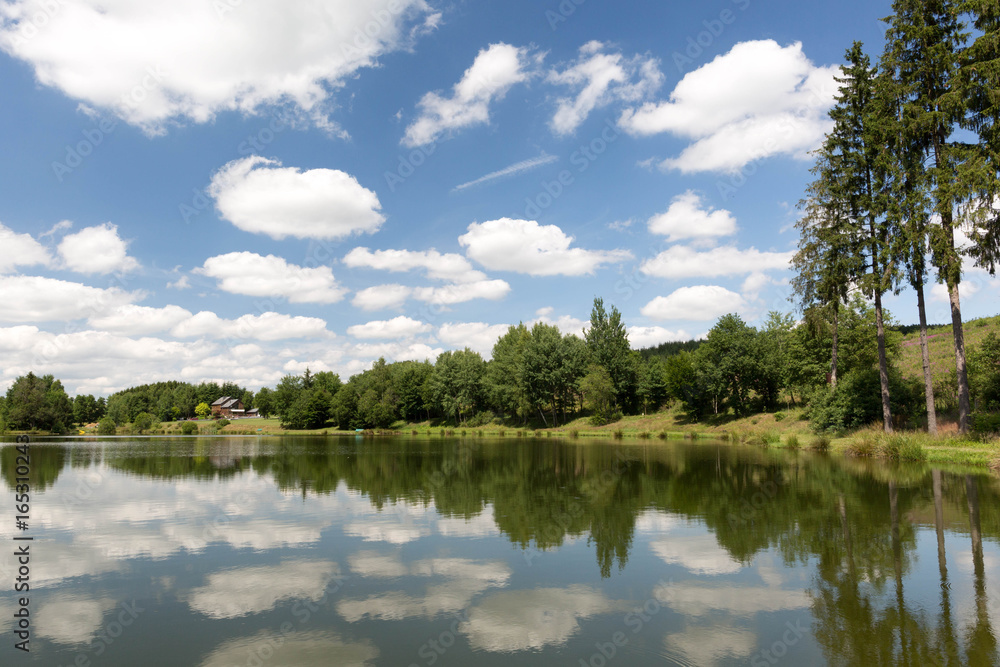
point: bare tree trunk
(964, 408)
(833, 354)
(925, 355)
(883, 369)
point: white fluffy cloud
(451, 267)
(525, 246)
(600, 78)
(640, 337)
(255, 275)
(96, 250)
(37, 299)
(262, 197)
(689, 217)
(492, 290)
(381, 297)
(132, 320)
(20, 250)
(266, 327)
(398, 327)
(190, 59)
(758, 100)
(477, 336)
(700, 302)
(685, 262)
(491, 75)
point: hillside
(941, 346)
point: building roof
(222, 400)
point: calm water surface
(420, 551)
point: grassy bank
(784, 429)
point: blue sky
(238, 189)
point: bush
(986, 423)
(619, 434)
(900, 447)
(644, 435)
(106, 426)
(222, 423)
(820, 444)
(779, 416)
(574, 433)
(58, 428)
(602, 418)
(189, 428)
(142, 422)
(864, 444)
(857, 401)
(483, 418)
(792, 441)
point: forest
(539, 377)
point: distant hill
(669, 349)
(941, 345)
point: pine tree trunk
(833, 354)
(964, 409)
(925, 355)
(883, 369)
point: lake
(425, 550)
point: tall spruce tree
(923, 46)
(908, 205)
(852, 176)
(979, 86)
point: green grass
(941, 347)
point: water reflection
(419, 551)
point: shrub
(501, 432)
(58, 428)
(792, 441)
(189, 428)
(602, 418)
(480, 419)
(864, 444)
(142, 422)
(986, 423)
(619, 434)
(644, 435)
(222, 423)
(771, 437)
(900, 447)
(779, 416)
(821, 444)
(106, 426)
(857, 401)
(662, 435)
(574, 433)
